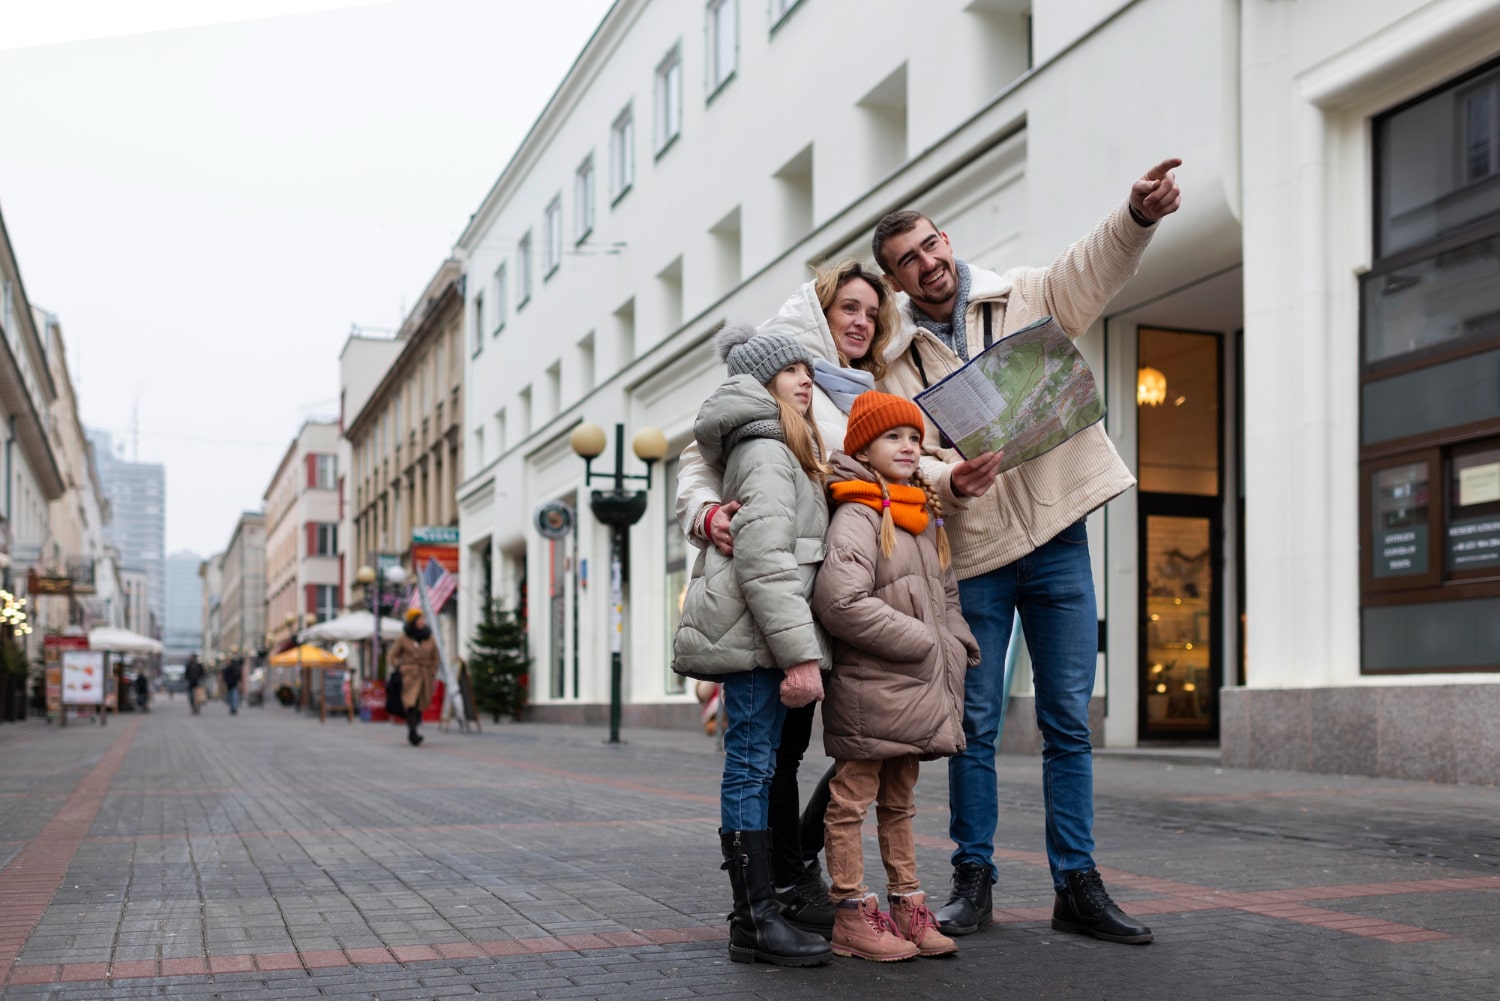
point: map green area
(1025, 395)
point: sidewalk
(269, 856)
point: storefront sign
(447, 557)
(554, 520)
(1479, 484)
(1473, 542)
(435, 535)
(83, 678)
(1401, 552)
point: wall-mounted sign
(554, 519)
(435, 535)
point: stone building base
(1435, 733)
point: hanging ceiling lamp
(1150, 387)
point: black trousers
(796, 836)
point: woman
(844, 317)
(415, 655)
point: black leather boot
(805, 902)
(1086, 908)
(413, 718)
(970, 906)
(757, 931)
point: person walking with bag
(231, 675)
(746, 622)
(888, 596)
(415, 655)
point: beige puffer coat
(752, 610)
(901, 646)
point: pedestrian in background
(415, 655)
(746, 622)
(192, 677)
(844, 317)
(142, 692)
(888, 596)
(231, 676)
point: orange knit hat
(873, 414)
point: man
(1019, 540)
(231, 676)
(192, 677)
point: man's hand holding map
(1025, 395)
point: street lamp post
(619, 509)
(377, 575)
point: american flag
(440, 586)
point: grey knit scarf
(951, 333)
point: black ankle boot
(805, 902)
(971, 905)
(1085, 907)
(413, 718)
(757, 931)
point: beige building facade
(242, 602)
(301, 541)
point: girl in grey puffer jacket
(745, 619)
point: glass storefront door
(1181, 558)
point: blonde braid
(935, 505)
(887, 523)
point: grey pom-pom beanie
(758, 355)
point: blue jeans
(233, 698)
(1053, 589)
(753, 714)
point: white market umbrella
(122, 641)
(350, 627)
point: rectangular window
(554, 236)
(478, 322)
(325, 602)
(780, 9)
(668, 98)
(327, 472)
(583, 199)
(1429, 430)
(723, 42)
(500, 291)
(523, 271)
(621, 153)
(324, 539)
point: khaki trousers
(889, 783)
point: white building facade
(700, 156)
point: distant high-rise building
(183, 632)
(137, 493)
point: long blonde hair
(826, 284)
(934, 509)
(804, 439)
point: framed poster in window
(1399, 540)
(1471, 537)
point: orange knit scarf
(908, 503)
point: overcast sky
(208, 208)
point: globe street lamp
(619, 509)
(365, 576)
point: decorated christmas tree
(498, 662)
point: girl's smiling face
(894, 454)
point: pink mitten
(803, 684)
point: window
(1429, 431)
(668, 99)
(621, 153)
(325, 602)
(499, 305)
(780, 9)
(723, 41)
(523, 271)
(325, 472)
(323, 539)
(554, 235)
(478, 322)
(583, 199)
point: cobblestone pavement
(268, 856)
